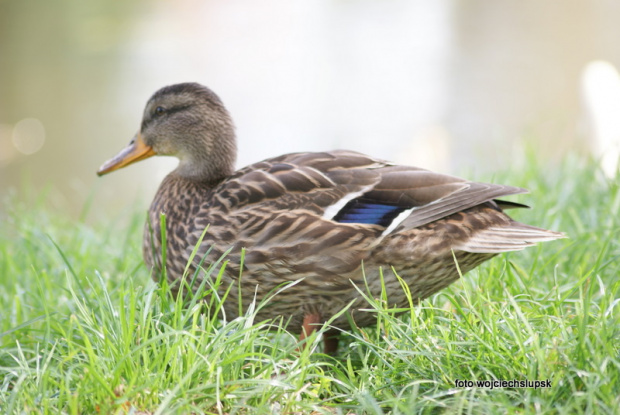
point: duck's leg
(311, 322)
(330, 342)
(308, 326)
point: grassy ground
(83, 330)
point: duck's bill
(136, 150)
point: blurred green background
(448, 85)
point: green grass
(84, 330)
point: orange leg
(309, 325)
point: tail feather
(513, 237)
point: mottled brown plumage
(311, 217)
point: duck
(311, 231)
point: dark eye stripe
(173, 110)
(166, 112)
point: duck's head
(187, 121)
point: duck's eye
(160, 111)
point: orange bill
(136, 150)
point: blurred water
(448, 84)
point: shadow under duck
(326, 219)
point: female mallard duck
(325, 219)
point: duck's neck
(206, 175)
(211, 164)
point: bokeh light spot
(28, 136)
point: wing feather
(326, 183)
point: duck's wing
(348, 187)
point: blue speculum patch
(368, 212)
